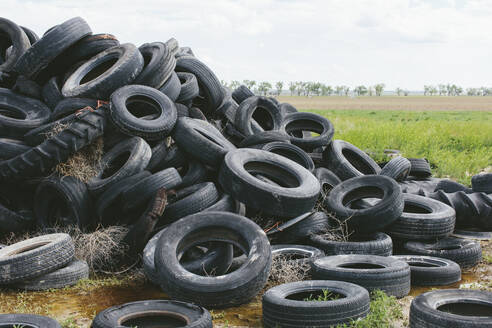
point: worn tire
(27, 320)
(140, 313)
(34, 257)
(420, 168)
(301, 228)
(450, 186)
(374, 244)
(296, 123)
(466, 253)
(262, 138)
(270, 118)
(423, 219)
(241, 93)
(398, 168)
(291, 152)
(327, 180)
(10, 148)
(431, 271)
(298, 191)
(369, 271)
(281, 310)
(64, 277)
(426, 309)
(18, 39)
(70, 106)
(228, 290)
(189, 88)
(482, 183)
(158, 67)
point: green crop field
(457, 144)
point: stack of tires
(208, 178)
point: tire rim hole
(467, 308)
(357, 161)
(99, 69)
(155, 319)
(114, 165)
(264, 118)
(358, 194)
(315, 295)
(12, 113)
(273, 172)
(414, 208)
(143, 107)
(423, 264)
(361, 266)
(290, 154)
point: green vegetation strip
(457, 144)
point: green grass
(457, 144)
(324, 297)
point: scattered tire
(84, 129)
(63, 202)
(242, 93)
(301, 228)
(482, 183)
(51, 92)
(125, 159)
(261, 110)
(291, 152)
(466, 253)
(131, 105)
(472, 234)
(327, 180)
(296, 123)
(297, 254)
(189, 88)
(423, 219)
(34, 257)
(420, 168)
(262, 138)
(374, 244)
(348, 161)
(369, 271)
(18, 39)
(10, 148)
(398, 168)
(452, 308)
(70, 106)
(104, 73)
(286, 305)
(296, 195)
(452, 186)
(159, 64)
(372, 218)
(28, 321)
(228, 290)
(64, 277)
(431, 271)
(172, 87)
(160, 312)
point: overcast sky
(403, 43)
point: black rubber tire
(298, 191)
(51, 45)
(175, 158)
(51, 92)
(34, 257)
(201, 140)
(467, 253)
(140, 313)
(228, 290)
(482, 183)
(108, 207)
(158, 67)
(245, 116)
(11, 147)
(281, 311)
(262, 138)
(189, 88)
(327, 180)
(241, 93)
(369, 271)
(28, 321)
(420, 168)
(225, 204)
(472, 234)
(398, 168)
(298, 122)
(19, 114)
(172, 87)
(63, 202)
(450, 186)
(173, 45)
(31, 35)
(348, 161)
(127, 62)
(139, 154)
(291, 152)
(159, 152)
(210, 87)
(301, 228)
(287, 109)
(130, 107)
(17, 38)
(182, 110)
(431, 271)
(426, 310)
(14, 220)
(64, 277)
(377, 243)
(193, 173)
(373, 218)
(142, 191)
(36, 136)
(69, 106)
(190, 200)
(86, 127)
(423, 219)
(197, 114)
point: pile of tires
(211, 182)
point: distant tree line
(300, 88)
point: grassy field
(418, 103)
(458, 144)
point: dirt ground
(419, 103)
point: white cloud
(404, 43)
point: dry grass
(419, 103)
(285, 269)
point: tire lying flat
(431, 271)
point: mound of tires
(212, 184)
